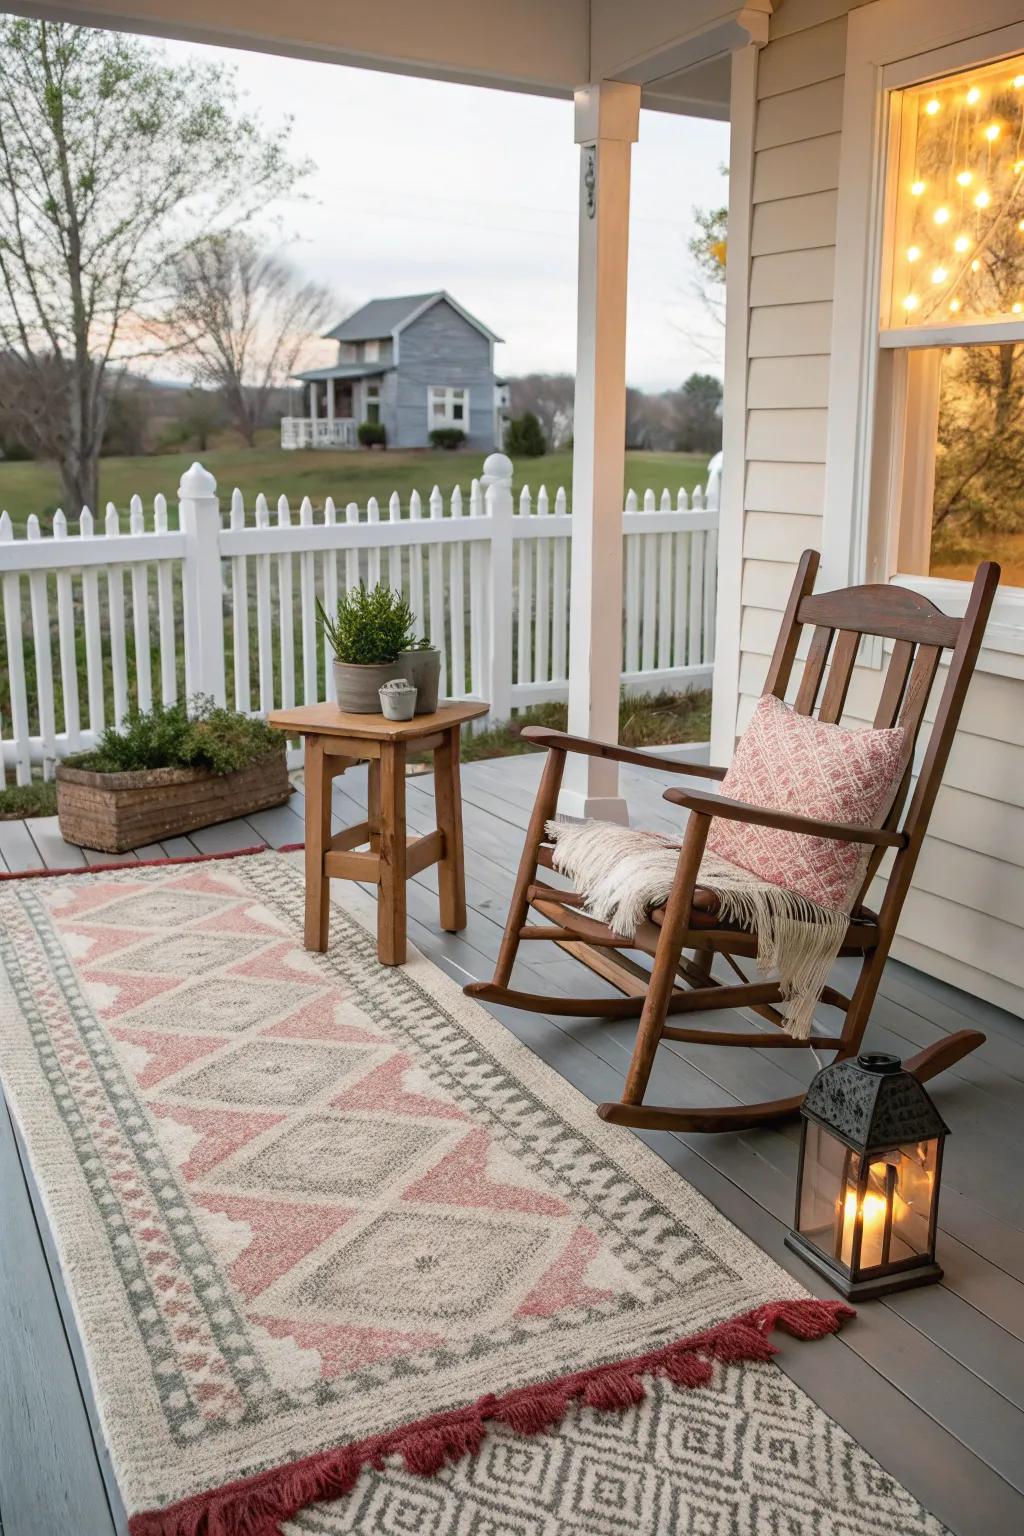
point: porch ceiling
(676, 49)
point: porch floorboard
(931, 1382)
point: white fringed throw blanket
(623, 872)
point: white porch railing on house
(224, 604)
(312, 432)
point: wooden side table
(334, 740)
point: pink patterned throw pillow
(790, 762)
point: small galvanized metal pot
(398, 699)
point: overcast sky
(422, 185)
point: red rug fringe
(257, 1506)
(100, 869)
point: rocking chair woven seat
(685, 936)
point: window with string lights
(952, 316)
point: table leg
(391, 891)
(318, 835)
(451, 870)
(373, 802)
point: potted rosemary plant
(368, 633)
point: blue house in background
(412, 364)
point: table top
(329, 720)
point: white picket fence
(226, 605)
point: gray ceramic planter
(357, 687)
(423, 669)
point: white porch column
(607, 124)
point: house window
(952, 312)
(373, 403)
(447, 407)
(371, 352)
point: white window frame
(860, 540)
(371, 396)
(449, 391)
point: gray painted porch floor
(931, 1382)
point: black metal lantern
(867, 1187)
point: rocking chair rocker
(677, 984)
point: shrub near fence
(103, 618)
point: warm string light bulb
(914, 251)
(961, 244)
(911, 301)
(975, 266)
(917, 187)
(1016, 308)
(1018, 167)
(941, 215)
(933, 106)
(973, 95)
(965, 178)
(954, 305)
(982, 200)
(1018, 82)
(992, 132)
(939, 275)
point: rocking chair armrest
(783, 821)
(544, 736)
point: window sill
(1003, 650)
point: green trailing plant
(199, 734)
(371, 625)
(424, 643)
(447, 437)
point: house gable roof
(387, 317)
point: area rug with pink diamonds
(319, 1219)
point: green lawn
(319, 473)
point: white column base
(583, 807)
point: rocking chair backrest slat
(814, 670)
(781, 665)
(910, 718)
(891, 696)
(839, 676)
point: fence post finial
(197, 481)
(498, 469)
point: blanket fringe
(258, 1506)
(623, 872)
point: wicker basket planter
(114, 812)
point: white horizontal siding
(774, 279)
(786, 119)
(800, 59)
(795, 169)
(786, 383)
(791, 330)
(794, 223)
(775, 536)
(787, 436)
(798, 488)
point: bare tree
(244, 316)
(111, 162)
(550, 396)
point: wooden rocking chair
(677, 984)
